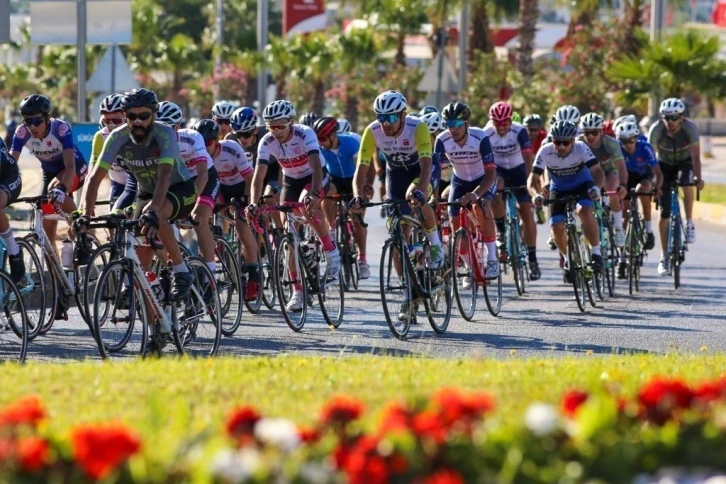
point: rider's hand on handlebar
(467, 199)
(594, 193)
(416, 197)
(700, 184)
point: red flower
(395, 417)
(241, 424)
(341, 409)
(444, 476)
(661, 397)
(455, 405)
(28, 410)
(100, 449)
(33, 453)
(308, 435)
(363, 464)
(710, 391)
(429, 425)
(571, 402)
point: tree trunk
(528, 15)
(400, 57)
(281, 85)
(481, 36)
(251, 91)
(319, 97)
(633, 20)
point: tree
(400, 18)
(312, 57)
(482, 11)
(279, 61)
(528, 15)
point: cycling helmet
(533, 120)
(207, 128)
(389, 102)
(34, 104)
(516, 117)
(413, 115)
(433, 121)
(326, 126)
(672, 105)
(223, 110)
(278, 110)
(568, 113)
(591, 121)
(426, 110)
(630, 117)
(608, 127)
(500, 111)
(139, 98)
(111, 103)
(169, 113)
(344, 126)
(308, 119)
(626, 130)
(244, 119)
(456, 110)
(563, 130)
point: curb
(710, 212)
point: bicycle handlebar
(286, 208)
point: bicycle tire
(79, 281)
(254, 305)
(675, 253)
(438, 286)
(333, 320)
(632, 257)
(515, 256)
(575, 267)
(229, 283)
(51, 285)
(386, 270)
(38, 286)
(281, 283)
(493, 295)
(104, 252)
(468, 314)
(11, 298)
(613, 257)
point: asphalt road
(544, 322)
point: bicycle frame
(56, 267)
(676, 224)
(467, 219)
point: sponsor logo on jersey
(405, 142)
(49, 143)
(21, 132)
(294, 162)
(47, 152)
(63, 129)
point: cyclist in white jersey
(513, 157)
(305, 178)
(222, 115)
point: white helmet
(223, 110)
(672, 105)
(279, 110)
(111, 103)
(568, 113)
(630, 118)
(344, 126)
(591, 121)
(389, 102)
(169, 113)
(433, 121)
(627, 129)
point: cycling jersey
(231, 163)
(118, 173)
(565, 173)
(341, 161)
(470, 159)
(508, 149)
(161, 148)
(355, 135)
(49, 149)
(10, 181)
(673, 150)
(537, 142)
(607, 153)
(193, 150)
(273, 168)
(401, 151)
(642, 159)
(292, 155)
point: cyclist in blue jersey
(340, 151)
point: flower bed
(450, 437)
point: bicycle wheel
(437, 283)
(398, 315)
(267, 288)
(577, 274)
(516, 257)
(52, 291)
(120, 323)
(96, 263)
(286, 280)
(229, 286)
(81, 272)
(493, 295)
(331, 297)
(632, 252)
(464, 281)
(13, 322)
(675, 253)
(32, 289)
(611, 261)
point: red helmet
(326, 126)
(500, 111)
(607, 128)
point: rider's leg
(17, 267)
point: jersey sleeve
(96, 147)
(368, 148)
(263, 151)
(423, 141)
(111, 147)
(587, 155)
(243, 163)
(524, 141)
(614, 149)
(692, 133)
(654, 133)
(650, 155)
(65, 136)
(487, 155)
(539, 162)
(20, 138)
(311, 142)
(200, 154)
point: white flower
(541, 419)
(316, 473)
(278, 432)
(228, 466)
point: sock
(618, 219)
(433, 237)
(648, 227)
(499, 222)
(362, 257)
(328, 244)
(332, 234)
(491, 250)
(689, 222)
(10, 243)
(253, 270)
(596, 250)
(212, 266)
(297, 285)
(180, 268)
(532, 253)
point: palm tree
(314, 56)
(279, 61)
(528, 15)
(398, 17)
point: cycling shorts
(292, 188)
(399, 180)
(182, 197)
(516, 177)
(680, 173)
(634, 178)
(12, 186)
(210, 190)
(557, 210)
(344, 186)
(460, 187)
(81, 172)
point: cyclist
(410, 172)
(436, 126)
(536, 131)
(112, 116)
(345, 127)
(632, 119)
(340, 152)
(676, 143)
(166, 190)
(426, 110)
(610, 156)
(572, 167)
(50, 140)
(305, 178)
(516, 117)
(642, 165)
(235, 175)
(474, 176)
(222, 114)
(513, 157)
(10, 186)
(308, 119)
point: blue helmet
(243, 119)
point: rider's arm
(263, 159)
(366, 153)
(490, 168)
(110, 149)
(19, 139)
(69, 155)
(317, 167)
(425, 150)
(526, 146)
(534, 184)
(596, 171)
(618, 161)
(169, 156)
(654, 165)
(695, 149)
(201, 161)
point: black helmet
(563, 130)
(533, 120)
(140, 98)
(456, 110)
(34, 104)
(207, 128)
(308, 119)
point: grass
(714, 193)
(186, 395)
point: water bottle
(539, 212)
(67, 259)
(309, 255)
(417, 255)
(155, 285)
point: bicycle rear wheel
(331, 296)
(229, 286)
(394, 287)
(286, 280)
(577, 273)
(267, 274)
(438, 303)
(32, 289)
(464, 281)
(52, 291)
(80, 274)
(96, 263)
(675, 253)
(613, 257)
(13, 322)
(516, 256)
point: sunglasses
(562, 142)
(114, 120)
(34, 121)
(222, 121)
(592, 133)
(455, 123)
(141, 116)
(672, 117)
(244, 134)
(388, 118)
(629, 141)
(278, 127)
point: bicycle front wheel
(229, 286)
(291, 283)
(51, 292)
(87, 271)
(464, 281)
(332, 298)
(32, 289)
(438, 302)
(13, 322)
(611, 261)
(575, 267)
(676, 252)
(396, 294)
(516, 256)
